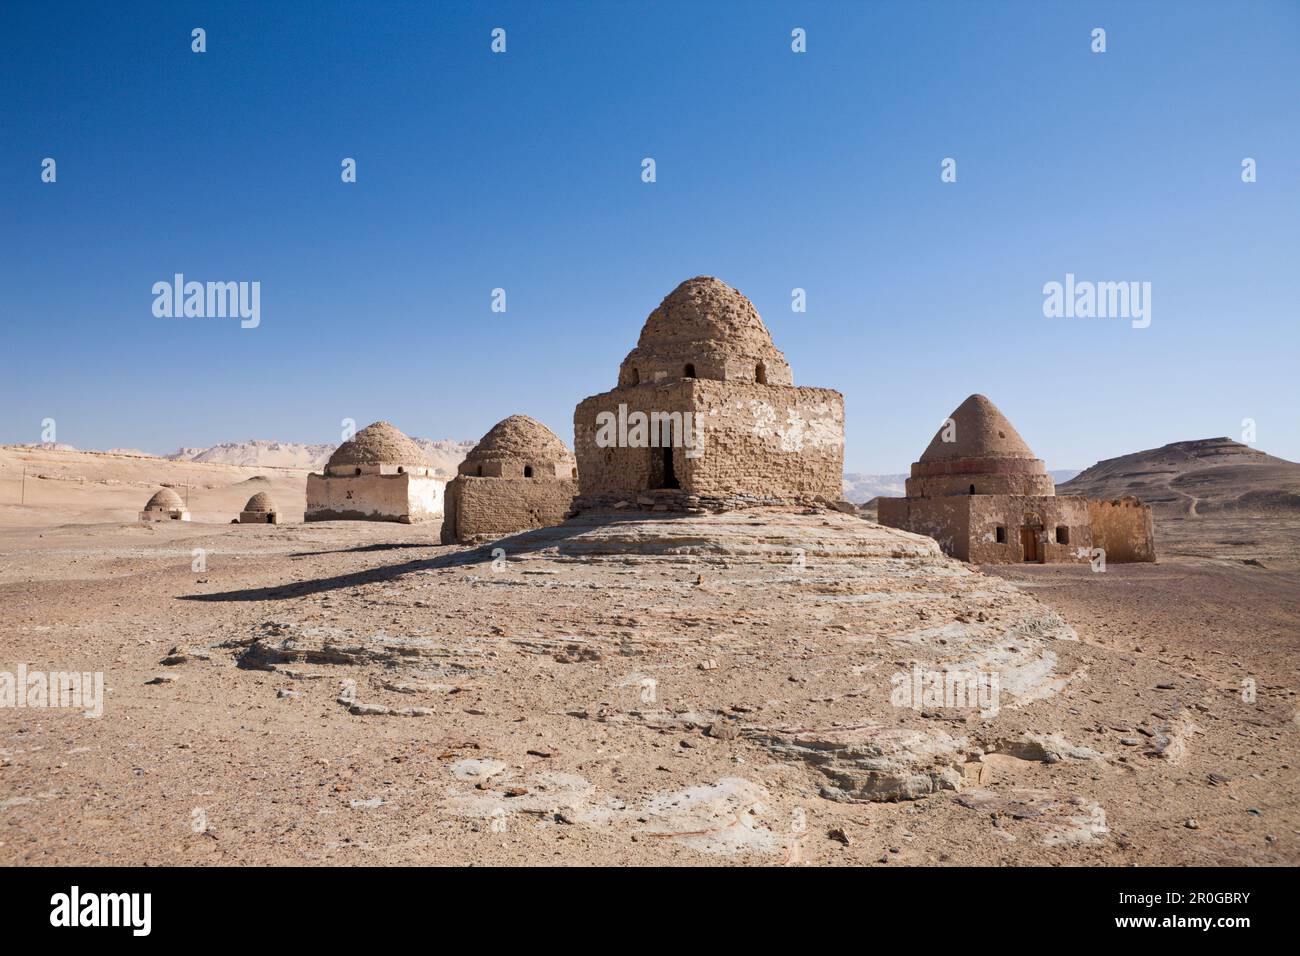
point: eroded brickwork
(519, 476)
(1124, 529)
(719, 418)
(482, 509)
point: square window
(1001, 534)
(1062, 534)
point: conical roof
(260, 502)
(519, 438)
(165, 500)
(709, 325)
(978, 430)
(377, 444)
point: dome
(165, 500)
(520, 438)
(705, 329)
(978, 430)
(984, 456)
(377, 444)
(260, 502)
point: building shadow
(559, 538)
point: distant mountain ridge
(445, 454)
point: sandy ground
(648, 690)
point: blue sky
(522, 170)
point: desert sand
(691, 690)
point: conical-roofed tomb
(979, 491)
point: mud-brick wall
(1014, 512)
(778, 441)
(479, 508)
(947, 520)
(615, 470)
(374, 497)
(773, 441)
(1124, 529)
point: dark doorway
(670, 474)
(972, 489)
(760, 374)
(1029, 542)
(690, 370)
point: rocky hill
(1196, 478)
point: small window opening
(690, 370)
(1062, 534)
(400, 469)
(480, 471)
(1001, 534)
(358, 471)
(972, 489)
(528, 471)
(636, 377)
(760, 374)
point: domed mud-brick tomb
(377, 475)
(260, 509)
(979, 491)
(165, 505)
(706, 415)
(520, 476)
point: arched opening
(575, 473)
(690, 370)
(358, 471)
(670, 473)
(634, 378)
(401, 470)
(972, 489)
(760, 374)
(480, 471)
(528, 471)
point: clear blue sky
(522, 171)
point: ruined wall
(759, 440)
(404, 497)
(966, 526)
(1124, 529)
(947, 520)
(487, 508)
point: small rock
(838, 835)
